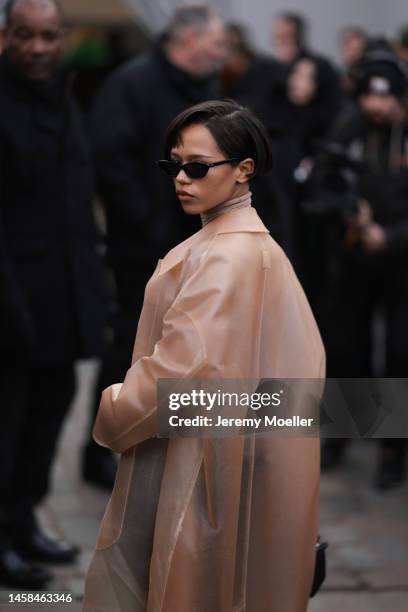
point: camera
(329, 183)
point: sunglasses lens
(196, 170)
(169, 167)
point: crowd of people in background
(336, 200)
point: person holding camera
(369, 275)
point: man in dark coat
(144, 216)
(51, 277)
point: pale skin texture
(221, 183)
(302, 84)
(199, 51)
(284, 40)
(33, 39)
(352, 47)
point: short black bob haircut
(236, 130)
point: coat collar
(235, 221)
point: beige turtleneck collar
(227, 206)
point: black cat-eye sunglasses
(193, 169)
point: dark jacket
(130, 118)
(262, 90)
(383, 180)
(53, 292)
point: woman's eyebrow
(192, 156)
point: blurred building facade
(98, 11)
(326, 17)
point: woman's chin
(191, 208)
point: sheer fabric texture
(211, 525)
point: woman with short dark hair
(207, 523)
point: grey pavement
(368, 536)
(367, 531)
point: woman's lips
(184, 195)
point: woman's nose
(182, 177)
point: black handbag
(320, 567)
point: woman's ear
(245, 170)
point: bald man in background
(52, 282)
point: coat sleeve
(127, 413)
(209, 312)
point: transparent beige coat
(211, 525)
